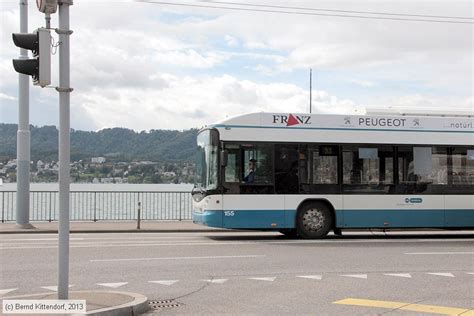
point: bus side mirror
(224, 156)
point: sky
(148, 66)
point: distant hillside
(113, 143)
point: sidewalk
(112, 227)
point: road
(256, 272)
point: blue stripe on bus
(393, 218)
(408, 218)
(280, 219)
(252, 219)
(341, 129)
(459, 218)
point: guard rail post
(50, 205)
(138, 215)
(3, 207)
(95, 207)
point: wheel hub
(313, 219)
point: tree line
(116, 144)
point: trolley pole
(23, 135)
(64, 90)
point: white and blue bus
(315, 173)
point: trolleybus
(306, 174)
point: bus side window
(463, 166)
(368, 169)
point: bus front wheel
(314, 220)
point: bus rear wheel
(314, 220)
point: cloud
(193, 102)
(7, 97)
(363, 83)
(146, 66)
(231, 41)
(424, 102)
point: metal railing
(102, 205)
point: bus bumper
(208, 218)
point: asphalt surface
(256, 273)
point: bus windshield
(206, 160)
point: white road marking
(268, 279)
(450, 275)
(6, 291)
(216, 281)
(359, 276)
(140, 238)
(401, 275)
(91, 244)
(165, 282)
(441, 253)
(54, 288)
(112, 285)
(219, 243)
(264, 279)
(177, 258)
(36, 239)
(314, 277)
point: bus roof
(336, 128)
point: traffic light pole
(23, 135)
(64, 90)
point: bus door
(286, 169)
(372, 196)
(459, 198)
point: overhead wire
(343, 11)
(226, 7)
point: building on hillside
(40, 165)
(169, 174)
(11, 163)
(98, 160)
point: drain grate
(164, 304)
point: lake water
(96, 202)
(103, 187)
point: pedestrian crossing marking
(401, 275)
(112, 285)
(450, 275)
(216, 281)
(6, 291)
(314, 277)
(359, 276)
(54, 288)
(264, 279)
(165, 282)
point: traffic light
(39, 67)
(47, 6)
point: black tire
(290, 233)
(314, 220)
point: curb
(52, 231)
(139, 305)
